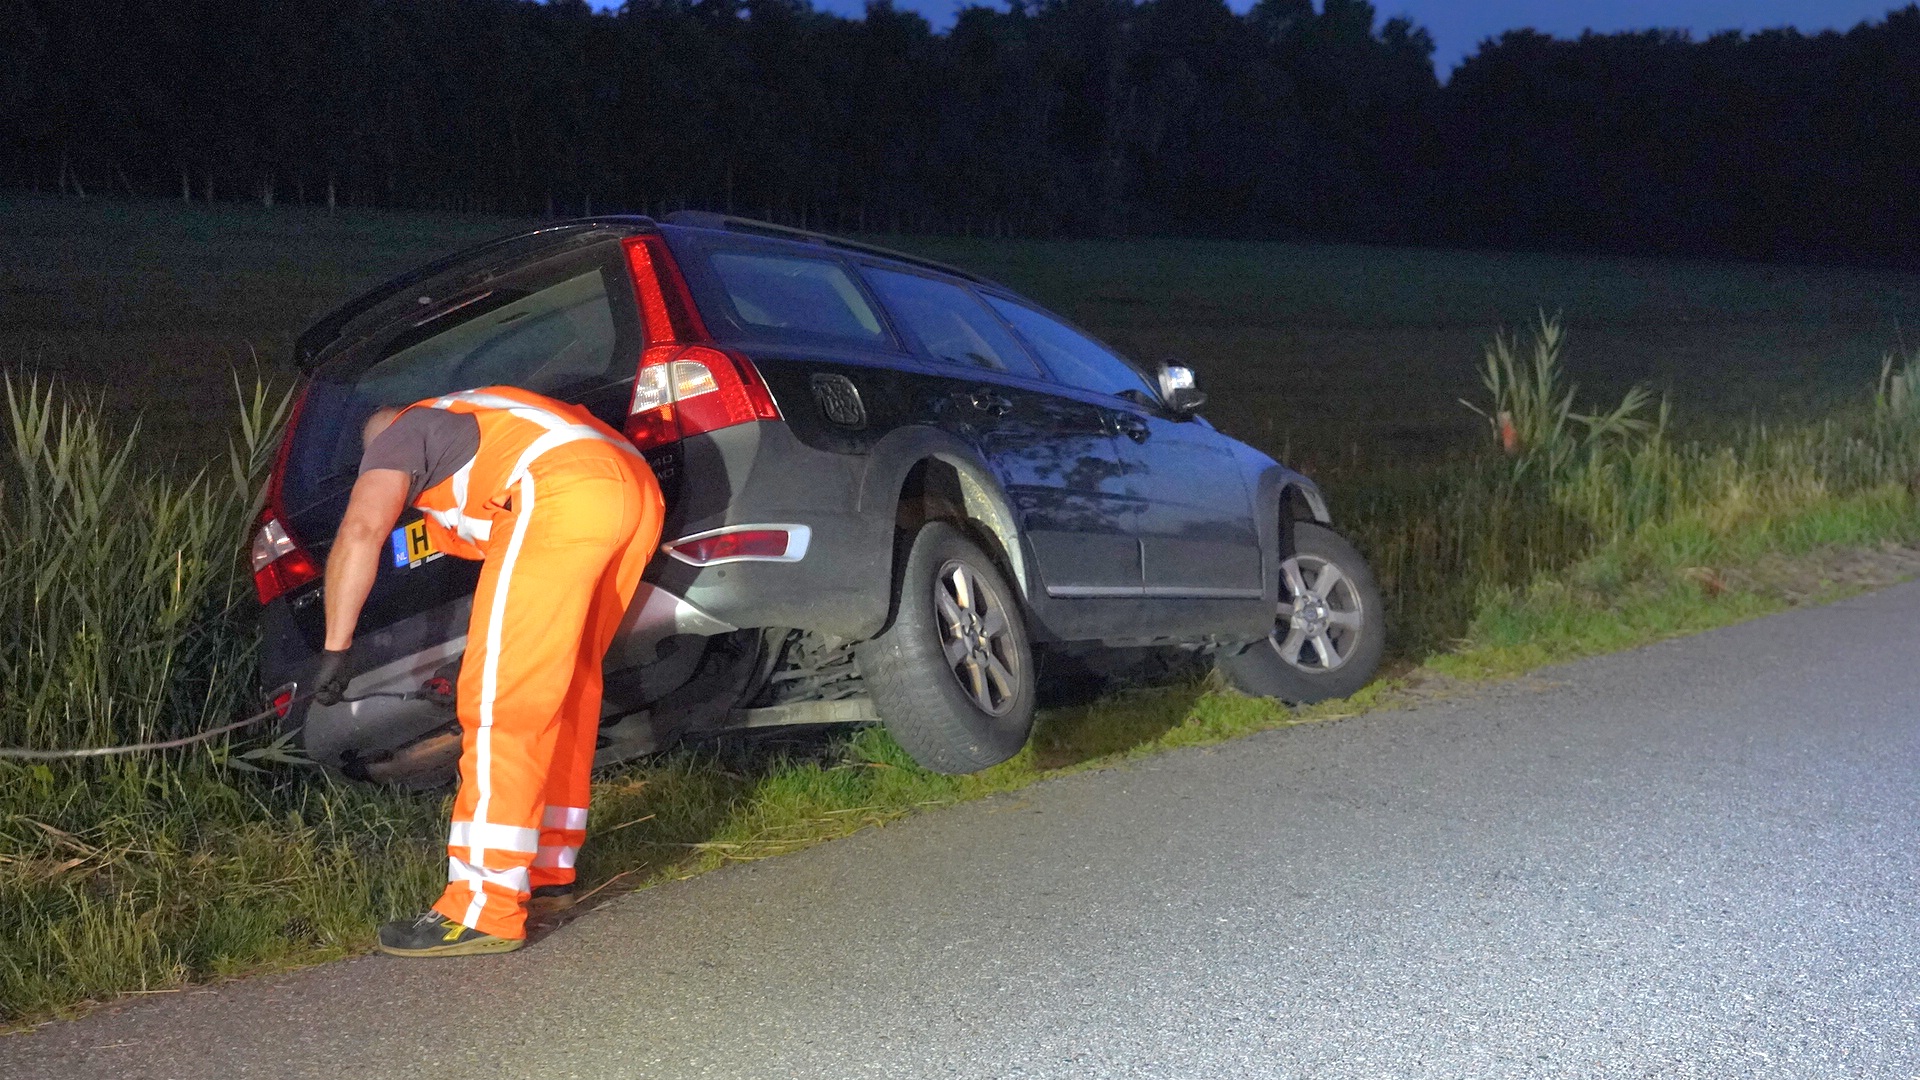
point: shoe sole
(483, 947)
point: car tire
(1329, 610)
(953, 676)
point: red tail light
(685, 385)
(685, 390)
(666, 307)
(283, 701)
(279, 564)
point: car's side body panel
(762, 474)
(1195, 519)
(1114, 520)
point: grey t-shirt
(428, 445)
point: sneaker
(550, 899)
(433, 934)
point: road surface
(1694, 860)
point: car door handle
(1133, 427)
(986, 401)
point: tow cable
(272, 711)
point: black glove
(330, 682)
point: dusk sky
(1458, 26)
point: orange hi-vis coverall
(564, 514)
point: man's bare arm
(372, 511)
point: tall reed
(1554, 485)
(121, 589)
(1531, 405)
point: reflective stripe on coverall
(565, 514)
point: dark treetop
(1062, 116)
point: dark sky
(1459, 25)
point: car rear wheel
(953, 676)
(1329, 631)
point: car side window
(950, 321)
(793, 294)
(1073, 357)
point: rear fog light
(439, 690)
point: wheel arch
(1300, 500)
(921, 475)
(1284, 497)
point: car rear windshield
(795, 297)
(551, 330)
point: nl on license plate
(412, 546)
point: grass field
(155, 305)
(120, 589)
(1340, 350)
(1324, 352)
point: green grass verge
(191, 874)
(1686, 577)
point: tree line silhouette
(1084, 117)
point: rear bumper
(396, 659)
(402, 658)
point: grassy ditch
(1572, 532)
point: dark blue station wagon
(889, 483)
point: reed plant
(1531, 405)
(1556, 488)
(121, 593)
(125, 616)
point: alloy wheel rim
(976, 634)
(1320, 615)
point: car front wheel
(953, 676)
(1329, 632)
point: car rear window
(950, 322)
(792, 295)
(554, 330)
(543, 340)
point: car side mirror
(1178, 391)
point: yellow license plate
(412, 546)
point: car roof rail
(707, 219)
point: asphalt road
(1695, 860)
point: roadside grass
(121, 587)
(1684, 577)
(152, 873)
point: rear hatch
(594, 313)
(552, 313)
